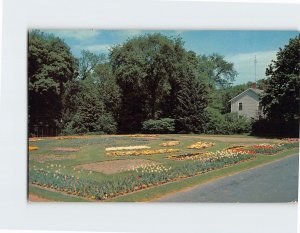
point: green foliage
(228, 123)
(148, 77)
(91, 113)
(190, 112)
(218, 72)
(88, 62)
(281, 99)
(151, 70)
(273, 128)
(164, 125)
(50, 66)
(92, 101)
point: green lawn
(92, 150)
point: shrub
(269, 128)
(229, 123)
(105, 123)
(237, 124)
(164, 125)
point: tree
(87, 63)
(93, 102)
(281, 99)
(191, 109)
(143, 67)
(218, 72)
(91, 115)
(109, 91)
(188, 97)
(50, 66)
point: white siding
(250, 101)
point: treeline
(151, 83)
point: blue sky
(238, 46)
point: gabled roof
(256, 91)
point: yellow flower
(31, 148)
(201, 145)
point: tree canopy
(218, 72)
(151, 71)
(50, 66)
(281, 99)
(149, 83)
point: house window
(240, 106)
(259, 106)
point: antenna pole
(255, 66)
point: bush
(104, 124)
(265, 128)
(228, 123)
(237, 124)
(164, 125)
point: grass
(92, 150)
(54, 196)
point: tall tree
(281, 99)
(93, 101)
(143, 66)
(88, 62)
(191, 109)
(50, 66)
(91, 114)
(218, 72)
(188, 97)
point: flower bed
(188, 156)
(127, 148)
(170, 143)
(240, 149)
(139, 179)
(201, 145)
(273, 148)
(71, 137)
(31, 148)
(291, 140)
(211, 156)
(141, 152)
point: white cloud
(244, 65)
(96, 48)
(80, 34)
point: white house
(247, 103)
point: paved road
(273, 182)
